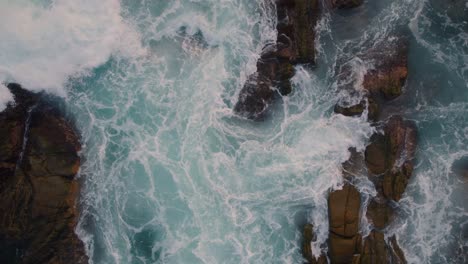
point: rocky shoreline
(388, 160)
(38, 191)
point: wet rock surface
(392, 154)
(309, 237)
(383, 82)
(38, 163)
(344, 207)
(389, 157)
(295, 44)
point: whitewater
(172, 175)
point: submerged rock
(39, 160)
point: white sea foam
(45, 44)
(5, 97)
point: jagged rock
(393, 154)
(345, 4)
(296, 22)
(353, 110)
(383, 82)
(295, 44)
(343, 212)
(38, 190)
(357, 110)
(380, 213)
(309, 237)
(390, 68)
(376, 250)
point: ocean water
(171, 175)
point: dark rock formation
(392, 154)
(345, 4)
(391, 68)
(259, 90)
(385, 81)
(309, 237)
(38, 162)
(388, 158)
(296, 23)
(295, 44)
(376, 250)
(380, 213)
(344, 241)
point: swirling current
(172, 175)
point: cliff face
(38, 163)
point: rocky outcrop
(309, 237)
(388, 158)
(296, 24)
(38, 163)
(343, 213)
(384, 81)
(392, 155)
(376, 250)
(295, 44)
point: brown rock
(393, 154)
(380, 213)
(390, 69)
(398, 257)
(375, 249)
(37, 195)
(295, 44)
(296, 22)
(343, 250)
(343, 213)
(353, 110)
(344, 206)
(309, 237)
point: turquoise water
(171, 175)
